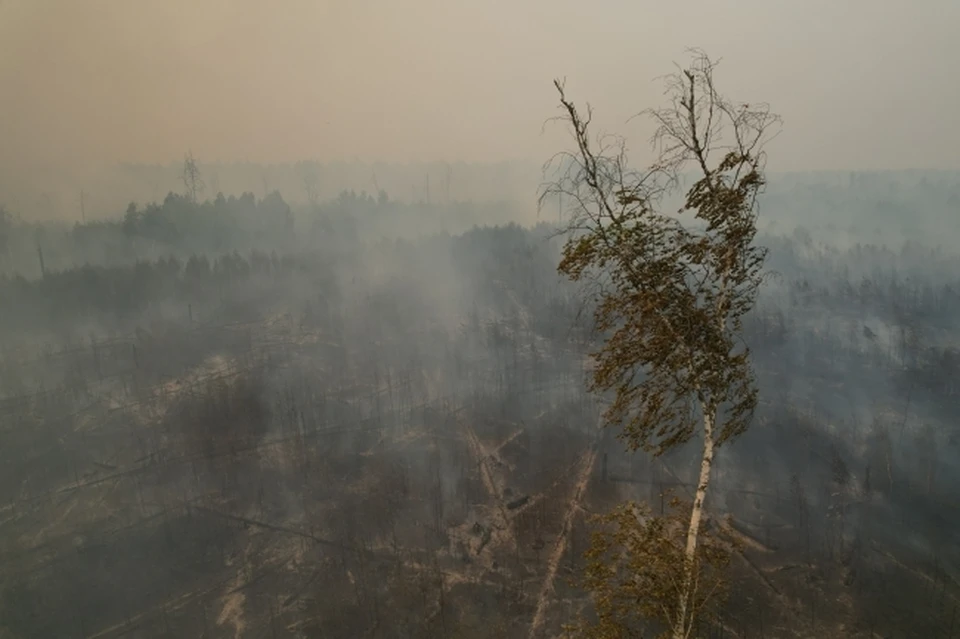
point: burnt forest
(242, 418)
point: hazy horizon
(861, 86)
(91, 86)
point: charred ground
(393, 438)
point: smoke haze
(111, 81)
(284, 351)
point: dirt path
(234, 600)
(169, 606)
(503, 531)
(495, 453)
(553, 563)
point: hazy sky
(861, 84)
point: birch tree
(671, 288)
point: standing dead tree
(311, 184)
(192, 180)
(671, 292)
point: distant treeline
(104, 293)
(220, 224)
(503, 267)
(181, 226)
(57, 194)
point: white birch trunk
(683, 624)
